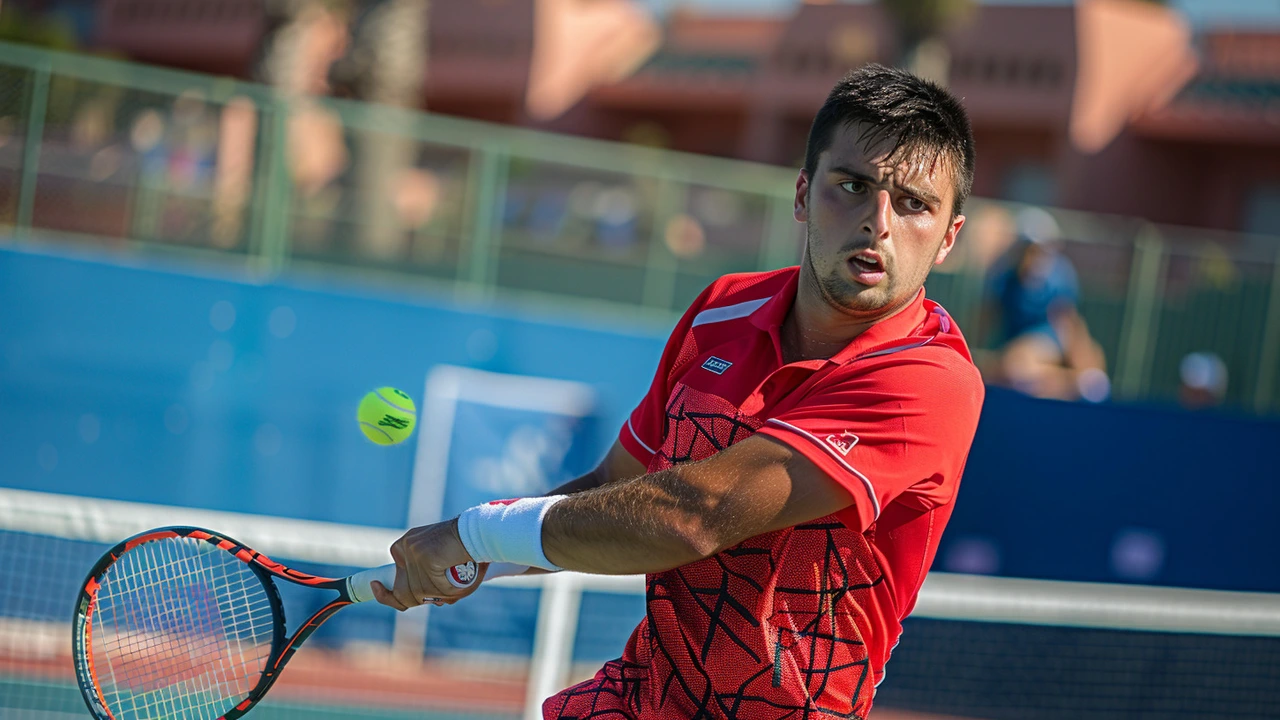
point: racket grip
(358, 585)
(360, 590)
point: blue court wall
(1119, 493)
(168, 384)
(157, 385)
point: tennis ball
(387, 416)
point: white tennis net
(976, 647)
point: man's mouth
(867, 268)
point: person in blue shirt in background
(1043, 345)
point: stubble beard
(847, 296)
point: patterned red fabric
(798, 622)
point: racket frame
(266, 570)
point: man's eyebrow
(916, 191)
(922, 194)
(856, 174)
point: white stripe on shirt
(632, 428)
(871, 491)
(728, 312)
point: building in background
(1110, 106)
(1106, 105)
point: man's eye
(916, 205)
(853, 186)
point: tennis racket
(182, 622)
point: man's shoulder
(931, 329)
(937, 377)
(933, 356)
(738, 288)
(925, 358)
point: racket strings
(181, 629)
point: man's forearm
(646, 524)
(670, 518)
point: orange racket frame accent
(282, 648)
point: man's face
(874, 231)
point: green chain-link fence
(139, 157)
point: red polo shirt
(802, 619)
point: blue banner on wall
(1117, 493)
(487, 436)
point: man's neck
(814, 330)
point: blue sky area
(1202, 13)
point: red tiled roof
(714, 34)
(1242, 54)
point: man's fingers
(403, 594)
(384, 596)
(388, 598)
(425, 589)
(417, 590)
(420, 577)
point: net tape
(1217, 648)
(945, 596)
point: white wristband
(501, 570)
(507, 531)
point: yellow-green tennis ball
(387, 416)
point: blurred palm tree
(300, 43)
(921, 26)
(384, 63)
(387, 66)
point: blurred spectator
(616, 215)
(92, 126)
(233, 177)
(193, 143)
(1203, 381)
(684, 236)
(1044, 346)
(317, 149)
(988, 234)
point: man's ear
(801, 209)
(949, 240)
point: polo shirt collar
(770, 316)
(897, 328)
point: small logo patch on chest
(716, 365)
(843, 442)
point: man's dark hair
(923, 120)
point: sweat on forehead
(877, 156)
(902, 154)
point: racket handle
(358, 585)
(360, 590)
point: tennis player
(785, 481)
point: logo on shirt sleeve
(716, 365)
(843, 442)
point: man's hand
(423, 558)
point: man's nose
(876, 223)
